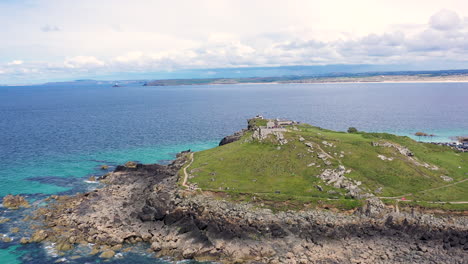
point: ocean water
(53, 137)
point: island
(278, 191)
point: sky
(46, 40)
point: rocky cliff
(232, 138)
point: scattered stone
(14, 202)
(107, 254)
(373, 207)
(131, 165)
(64, 246)
(117, 247)
(280, 138)
(322, 156)
(382, 157)
(403, 150)
(446, 178)
(92, 178)
(38, 236)
(4, 220)
(337, 179)
(94, 251)
(319, 188)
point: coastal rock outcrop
(232, 138)
(15, 201)
(145, 204)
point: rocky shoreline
(144, 203)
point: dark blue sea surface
(53, 137)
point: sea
(54, 137)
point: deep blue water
(52, 138)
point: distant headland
(335, 77)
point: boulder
(156, 246)
(92, 178)
(38, 236)
(131, 165)
(107, 254)
(14, 201)
(374, 207)
(64, 246)
(94, 251)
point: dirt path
(184, 182)
(323, 151)
(431, 189)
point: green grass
(281, 173)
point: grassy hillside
(266, 170)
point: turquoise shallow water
(54, 137)
(48, 175)
(68, 175)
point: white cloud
(15, 62)
(83, 62)
(445, 20)
(50, 28)
(169, 35)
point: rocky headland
(145, 203)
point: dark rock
(173, 217)
(232, 138)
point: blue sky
(61, 39)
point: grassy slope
(278, 174)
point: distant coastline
(418, 78)
(443, 76)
